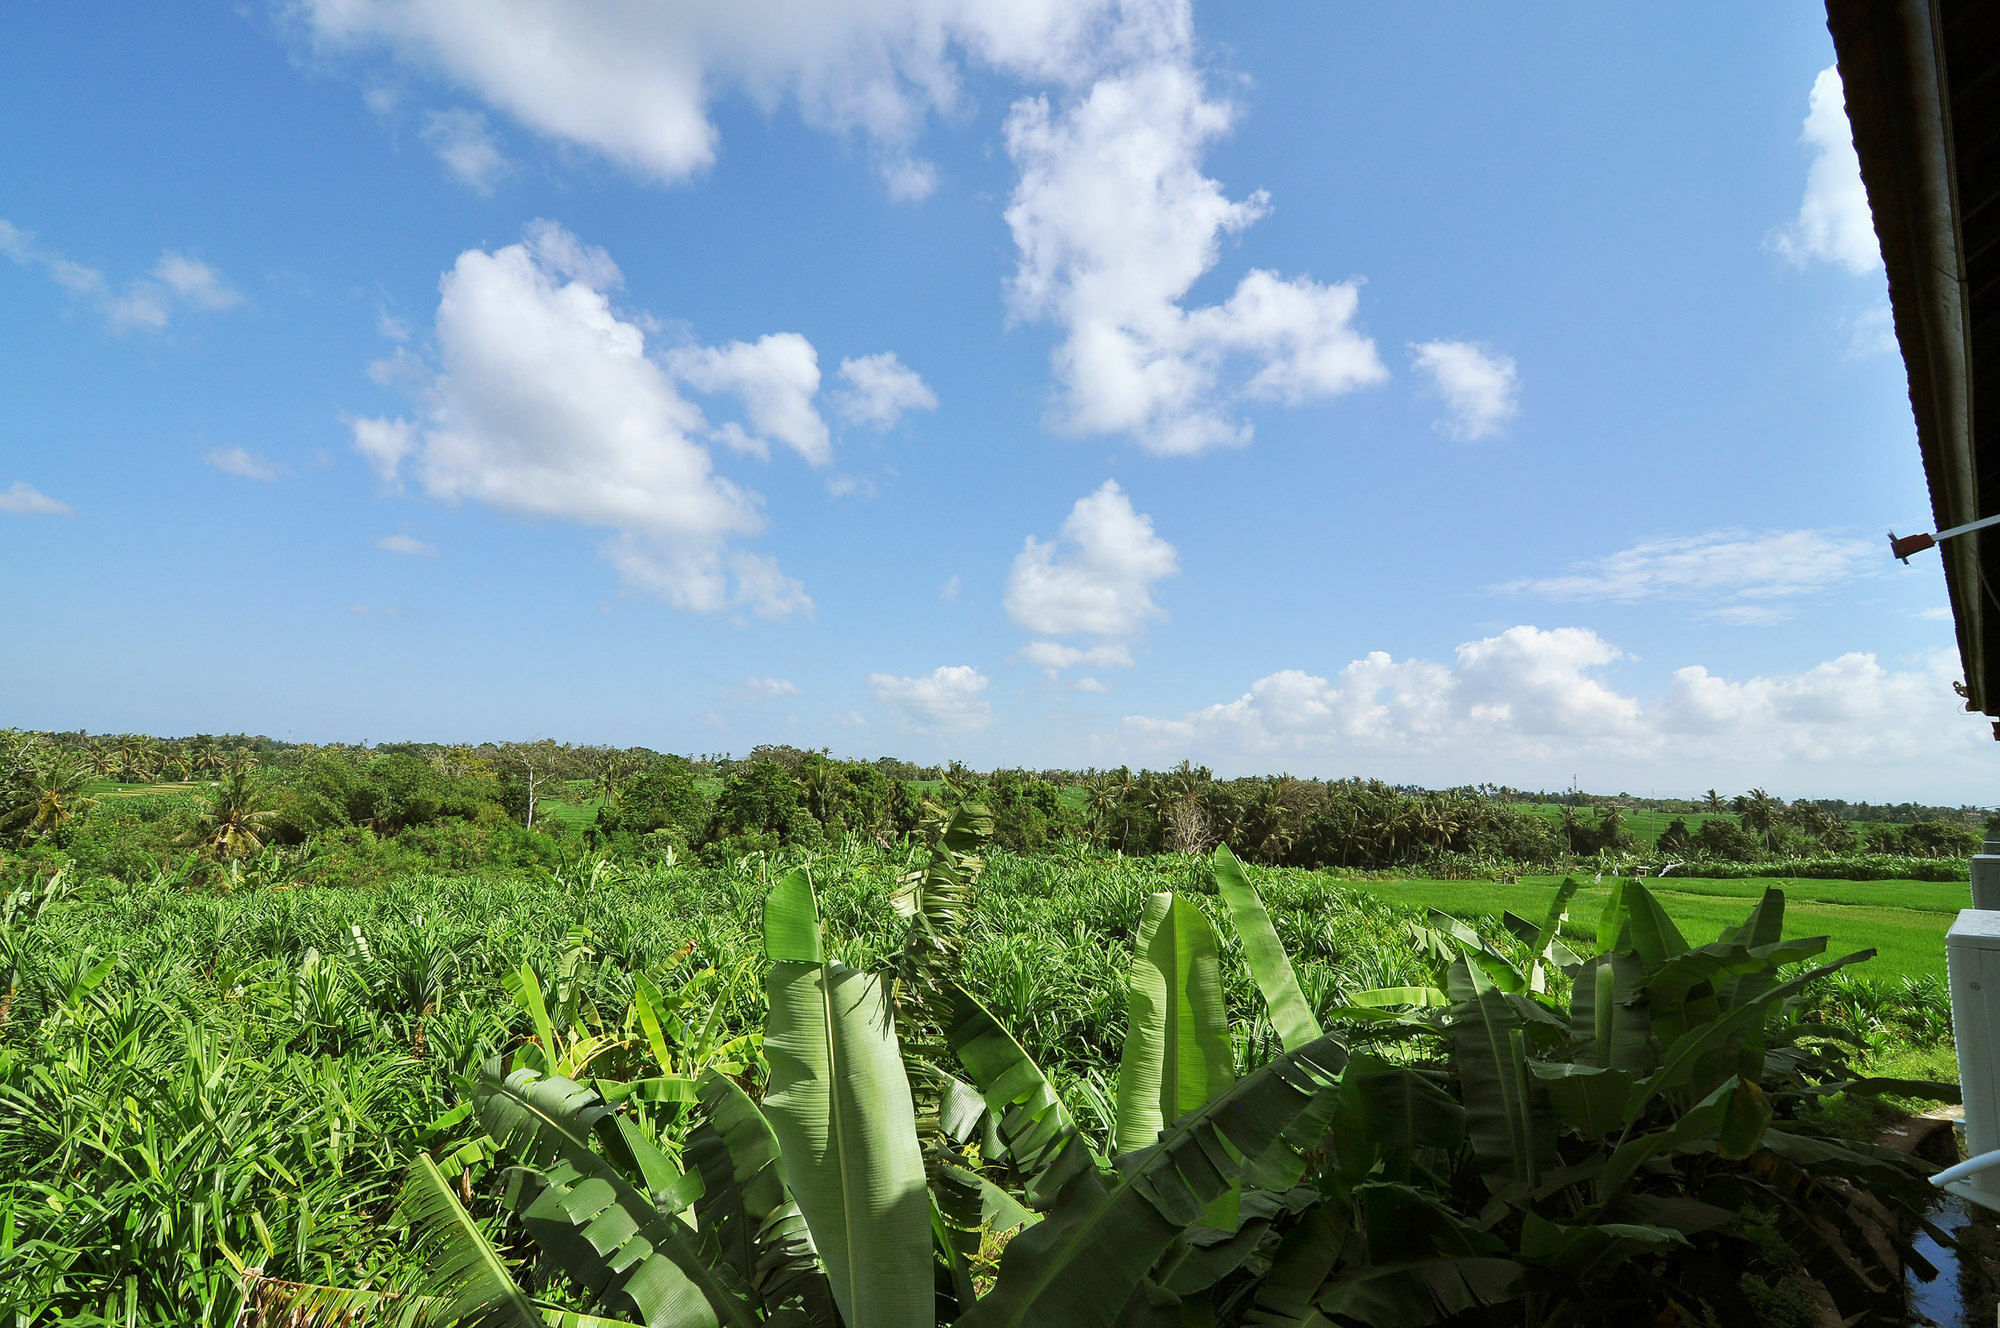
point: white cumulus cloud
(776, 377)
(1096, 578)
(1481, 390)
(878, 390)
(634, 82)
(946, 700)
(1742, 577)
(1115, 221)
(1834, 223)
(23, 499)
(384, 443)
(1113, 216)
(241, 463)
(546, 404)
(1532, 703)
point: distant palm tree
(149, 757)
(1712, 802)
(235, 818)
(103, 759)
(203, 753)
(46, 794)
(1101, 798)
(1760, 813)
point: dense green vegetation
(238, 1011)
(354, 814)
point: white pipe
(1970, 1167)
(1980, 524)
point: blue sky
(1408, 390)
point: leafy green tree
(761, 806)
(669, 799)
(1937, 839)
(1028, 812)
(1724, 841)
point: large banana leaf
(1033, 1124)
(1730, 1121)
(1478, 951)
(1694, 1051)
(1573, 1256)
(1079, 1267)
(758, 1229)
(1299, 1267)
(1383, 1115)
(937, 899)
(1543, 938)
(1512, 1136)
(549, 1120)
(1291, 1014)
(1415, 1292)
(1177, 1052)
(839, 1103)
(1607, 1011)
(1639, 922)
(464, 1279)
(1765, 926)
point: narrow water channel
(1942, 1300)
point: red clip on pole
(1909, 544)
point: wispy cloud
(467, 148)
(1743, 577)
(195, 282)
(146, 303)
(23, 499)
(241, 463)
(408, 545)
(761, 689)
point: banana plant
(1512, 1157)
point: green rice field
(1905, 921)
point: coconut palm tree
(103, 759)
(45, 793)
(144, 760)
(1760, 813)
(235, 818)
(1102, 796)
(1712, 801)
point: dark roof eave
(1892, 67)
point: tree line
(366, 810)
